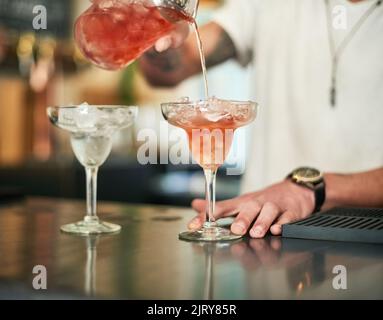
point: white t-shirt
(288, 43)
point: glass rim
(197, 103)
(104, 106)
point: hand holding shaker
(113, 33)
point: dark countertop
(147, 261)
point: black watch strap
(320, 195)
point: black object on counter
(340, 224)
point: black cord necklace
(337, 52)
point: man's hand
(269, 209)
(175, 57)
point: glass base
(90, 226)
(211, 234)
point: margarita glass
(210, 126)
(91, 130)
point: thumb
(163, 44)
(199, 205)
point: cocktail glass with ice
(210, 126)
(91, 130)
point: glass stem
(91, 194)
(210, 176)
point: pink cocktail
(210, 126)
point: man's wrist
(308, 196)
(311, 179)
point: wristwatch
(313, 179)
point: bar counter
(146, 260)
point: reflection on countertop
(147, 261)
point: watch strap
(320, 195)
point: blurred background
(44, 68)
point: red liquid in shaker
(113, 33)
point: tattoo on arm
(174, 61)
(223, 51)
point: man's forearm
(360, 189)
(166, 69)
(174, 65)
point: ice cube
(241, 112)
(66, 118)
(215, 109)
(106, 4)
(86, 117)
(121, 118)
(184, 99)
(215, 116)
(118, 16)
(213, 99)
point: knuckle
(270, 206)
(250, 206)
(194, 202)
(219, 208)
(290, 216)
(244, 206)
(245, 219)
(290, 202)
(256, 204)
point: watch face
(307, 174)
